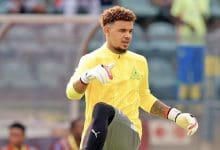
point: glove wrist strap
(84, 79)
(173, 114)
(83, 82)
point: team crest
(135, 75)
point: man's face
(119, 35)
(78, 128)
(16, 137)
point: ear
(106, 29)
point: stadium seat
(52, 31)
(19, 32)
(142, 8)
(161, 37)
(97, 40)
(215, 8)
(3, 8)
(139, 43)
(17, 74)
(49, 72)
(161, 29)
(162, 78)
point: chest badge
(135, 75)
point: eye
(122, 30)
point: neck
(114, 50)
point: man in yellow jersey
(115, 83)
(17, 138)
(190, 20)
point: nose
(128, 35)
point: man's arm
(79, 86)
(154, 106)
(179, 21)
(176, 11)
(160, 109)
(184, 120)
(78, 82)
(75, 89)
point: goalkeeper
(115, 83)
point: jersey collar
(110, 53)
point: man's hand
(187, 121)
(184, 120)
(100, 72)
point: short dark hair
(18, 125)
(75, 121)
(116, 13)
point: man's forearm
(160, 109)
(184, 120)
(79, 86)
(75, 89)
(179, 22)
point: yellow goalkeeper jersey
(127, 91)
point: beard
(120, 50)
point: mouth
(126, 43)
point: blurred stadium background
(38, 54)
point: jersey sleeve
(146, 98)
(84, 64)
